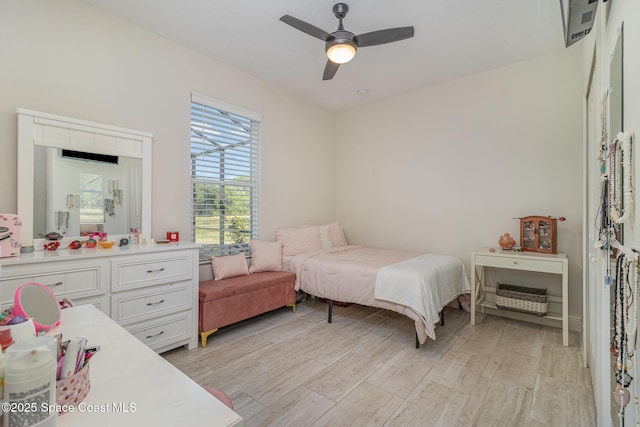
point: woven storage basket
(521, 299)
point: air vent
(92, 157)
(577, 19)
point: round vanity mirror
(36, 301)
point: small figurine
(52, 235)
(51, 246)
(506, 241)
(76, 244)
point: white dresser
(151, 290)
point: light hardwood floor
(364, 370)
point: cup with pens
(73, 384)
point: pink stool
(220, 395)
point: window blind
(225, 171)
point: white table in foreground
(524, 261)
(131, 385)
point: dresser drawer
(148, 270)
(540, 265)
(164, 332)
(69, 281)
(135, 306)
(101, 302)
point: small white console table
(525, 261)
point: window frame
(253, 159)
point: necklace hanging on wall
(623, 345)
(621, 198)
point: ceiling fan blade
(307, 28)
(330, 70)
(383, 36)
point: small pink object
(220, 395)
(28, 297)
(72, 390)
(492, 249)
(562, 218)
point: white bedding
(349, 274)
(425, 284)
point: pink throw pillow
(299, 240)
(265, 256)
(229, 266)
(336, 233)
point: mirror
(77, 177)
(37, 302)
(616, 124)
(616, 121)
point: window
(91, 199)
(224, 177)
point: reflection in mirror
(81, 193)
(616, 99)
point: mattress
(350, 273)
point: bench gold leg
(292, 305)
(204, 335)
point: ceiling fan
(341, 45)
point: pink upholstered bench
(227, 301)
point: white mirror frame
(49, 130)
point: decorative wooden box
(539, 234)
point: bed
(414, 284)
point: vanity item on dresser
(151, 290)
(9, 235)
(39, 303)
(29, 383)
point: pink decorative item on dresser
(9, 235)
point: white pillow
(265, 256)
(325, 238)
(299, 240)
(229, 266)
(336, 233)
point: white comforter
(350, 273)
(425, 284)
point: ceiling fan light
(341, 53)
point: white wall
(447, 168)
(68, 58)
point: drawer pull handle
(154, 303)
(152, 271)
(515, 262)
(55, 284)
(156, 335)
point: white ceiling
(453, 38)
